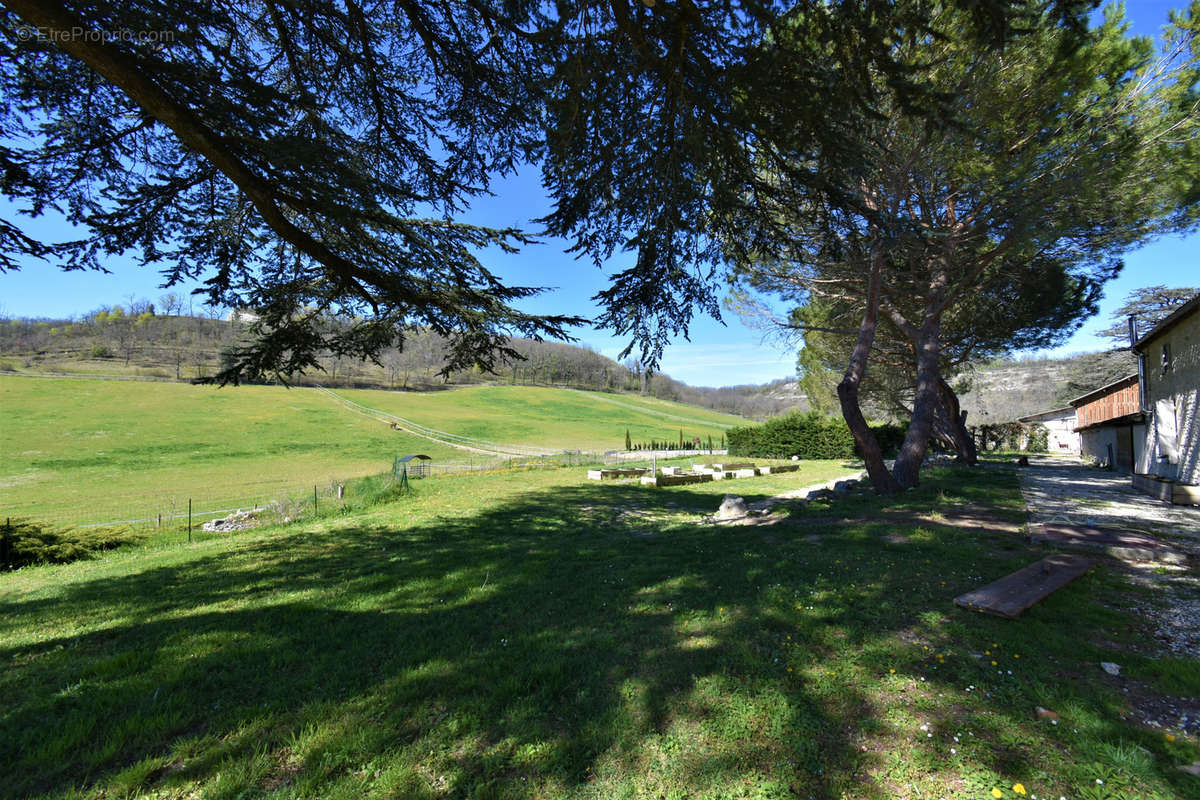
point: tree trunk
(956, 424)
(916, 442)
(847, 389)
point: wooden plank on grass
(1012, 594)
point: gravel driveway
(1060, 490)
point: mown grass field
(539, 416)
(75, 450)
(537, 635)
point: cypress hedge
(807, 435)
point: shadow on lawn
(524, 649)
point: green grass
(556, 418)
(89, 451)
(539, 635)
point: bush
(100, 351)
(808, 435)
(30, 542)
(890, 436)
(1039, 438)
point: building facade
(1061, 424)
(1111, 425)
(1169, 367)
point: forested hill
(1007, 390)
(134, 340)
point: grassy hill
(81, 450)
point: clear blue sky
(716, 355)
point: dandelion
(1016, 655)
(891, 672)
(993, 663)
(996, 793)
(1019, 788)
(1170, 738)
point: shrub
(31, 542)
(1039, 438)
(808, 435)
(890, 436)
(101, 351)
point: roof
(1052, 413)
(1175, 317)
(1125, 419)
(403, 459)
(1104, 390)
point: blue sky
(716, 355)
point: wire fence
(182, 507)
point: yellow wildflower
(993, 663)
(891, 672)
(996, 793)
(1170, 738)
(1019, 788)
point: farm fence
(172, 508)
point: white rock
(732, 507)
(1110, 668)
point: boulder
(732, 507)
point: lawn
(90, 451)
(539, 635)
(553, 418)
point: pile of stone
(241, 520)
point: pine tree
(628, 441)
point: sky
(718, 354)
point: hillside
(1004, 391)
(134, 341)
(83, 450)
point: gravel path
(1062, 490)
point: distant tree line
(167, 339)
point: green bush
(1039, 438)
(100, 351)
(890, 436)
(808, 435)
(24, 541)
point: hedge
(808, 436)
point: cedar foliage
(28, 542)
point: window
(1166, 357)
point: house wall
(1125, 441)
(1171, 444)
(1063, 438)
(1095, 443)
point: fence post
(189, 520)
(160, 520)
(314, 499)
(5, 547)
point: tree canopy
(313, 159)
(996, 225)
(1149, 305)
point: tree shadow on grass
(547, 645)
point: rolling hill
(85, 450)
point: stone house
(1111, 424)
(1061, 424)
(1168, 458)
